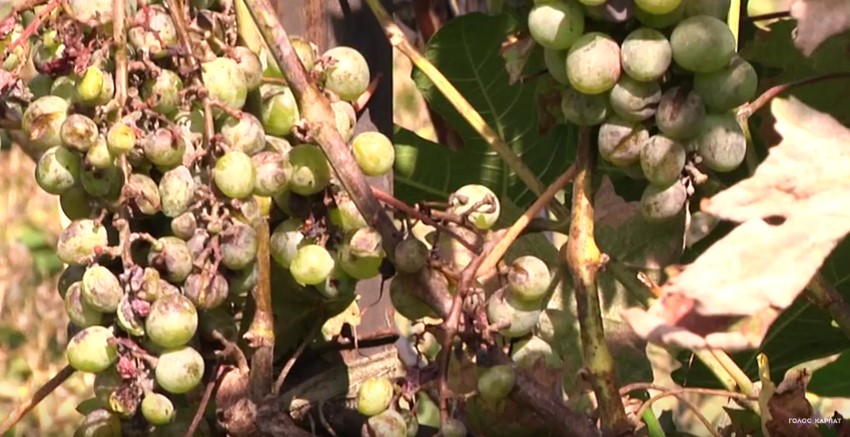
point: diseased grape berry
(311, 265)
(660, 21)
(78, 133)
(128, 319)
(157, 409)
(720, 142)
(184, 225)
(479, 203)
(521, 322)
(57, 170)
(180, 370)
(584, 109)
(120, 139)
(249, 64)
(646, 54)
(95, 87)
(593, 63)
(206, 290)
(163, 92)
(225, 82)
(285, 241)
(172, 321)
(345, 215)
(144, 194)
(658, 7)
(728, 87)
(172, 257)
(374, 396)
(556, 25)
(176, 190)
(98, 156)
(273, 173)
(389, 423)
(345, 118)
(235, 174)
(702, 44)
(244, 134)
(661, 203)
(79, 312)
(156, 35)
(102, 182)
(106, 383)
(633, 100)
(42, 121)
(495, 383)
(361, 255)
(680, 113)
(92, 350)
(311, 172)
(163, 148)
(453, 428)
(238, 246)
(621, 141)
(99, 423)
(374, 153)
(79, 240)
(101, 289)
(528, 282)
(347, 74)
(662, 160)
(69, 276)
(411, 255)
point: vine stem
(25, 407)
(218, 372)
(397, 39)
(824, 295)
(770, 16)
(751, 108)
(582, 257)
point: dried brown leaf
(515, 51)
(791, 413)
(792, 213)
(818, 20)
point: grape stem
(281, 377)
(582, 257)
(694, 409)
(747, 110)
(218, 373)
(770, 16)
(824, 295)
(398, 40)
(26, 406)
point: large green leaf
(832, 379)
(466, 50)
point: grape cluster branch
(583, 259)
(22, 409)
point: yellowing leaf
(333, 326)
(793, 212)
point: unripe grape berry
(311, 265)
(78, 132)
(411, 255)
(390, 423)
(345, 215)
(467, 197)
(244, 134)
(311, 172)
(157, 409)
(69, 276)
(238, 246)
(164, 149)
(702, 44)
(361, 255)
(90, 85)
(593, 63)
(42, 121)
(225, 82)
(347, 75)
(345, 118)
(157, 34)
(145, 194)
(176, 191)
(374, 153)
(728, 87)
(621, 141)
(660, 21)
(658, 7)
(720, 142)
(63, 87)
(57, 170)
(584, 109)
(279, 112)
(172, 257)
(496, 382)
(235, 175)
(285, 240)
(79, 240)
(99, 183)
(179, 371)
(528, 352)
(101, 289)
(556, 25)
(646, 54)
(680, 113)
(374, 396)
(403, 294)
(184, 225)
(661, 203)
(556, 63)
(528, 281)
(662, 160)
(98, 156)
(172, 321)
(92, 350)
(305, 51)
(453, 428)
(249, 63)
(273, 173)
(99, 423)
(75, 203)
(521, 321)
(128, 319)
(79, 312)
(163, 91)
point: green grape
(311, 265)
(347, 76)
(470, 200)
(427, 411)
(102, 182)
(225, 82)
(660, 21)
(63, 87)
(184, 225)
(179, 371)
(658, 7)
(273, 173)
(521, 321)
(176, 191)
(92, 350)
(389, 423)
(584, 109)
(79, 312)
(621, 141)
(452, 251)
(275, 144)
(496, 382)
(101, 289)
(680, 113)
(453, 428)
(662, 160)
(244, 134)
(163, 92)
(716, 8)
(98, 155)
(345, 118)
(145, 194)
(646, 54)
(361, 255)
(78, 242)
(238, 246)
(42, 121)
(250, 65)
(99, 423)
(279, 112)
(206, 290)
(374, 153)
(78, 133)
(157, 34)
(172, 321)
(128, 319)
(528, 282)
(311, 172)
(556, 25)
(720, 142)
(172, 257)
(285, 241)
(157, 409)
(702, 44)
(593, 64)
(592, 2)
(633, 100)
(57, 170)
(345, 215)
(528, 352)
(728, 87)
(411, 255)
(374, 396)
(305, 51)
(235, 174)
(662, 203)
(163, 148)
(90, 85)
(556, 63)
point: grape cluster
(163, 181)
(661, 80)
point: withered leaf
(818, 20)
(791, 413)
(792, 213)
(516, 51)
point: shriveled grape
(163, 92)
(78, 132)
(244, 134)
(238, 246)
(101, 289)
(477, 202)
(176, 190)
(633, 100)
(621, 141)
(311, 172)
(273, 171)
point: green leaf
(832, 379)
(466, 51)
